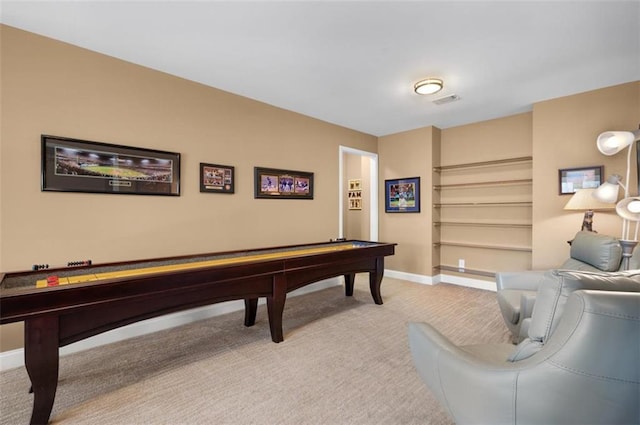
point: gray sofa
(516, 291)
(578, 365)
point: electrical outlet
(461, 263)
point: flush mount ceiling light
(428, 86)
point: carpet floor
(344, 360)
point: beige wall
(507, 137)
(564, 136)
(558, 133)
(402, 155)
(53, 88)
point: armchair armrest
(469, 384)
(527, 301)
(523, 280)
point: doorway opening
(359, 165)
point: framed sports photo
(402, 195)
(572, 179)
(282, 184)
(73, 165)
(216, 178)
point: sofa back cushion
(554, 290)
(600, 251)
(557, 285)
(573, 264)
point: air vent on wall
(446, 99)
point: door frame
(373, 182)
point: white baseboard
(433, 280)
(411, 277)
(15, 358)
(465, 281)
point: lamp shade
(629, 208)
(583, 200)
(611, 142)
(607, 192)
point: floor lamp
(610, 143)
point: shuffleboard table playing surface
(66, 305)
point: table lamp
(583, 200)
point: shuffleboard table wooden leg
(275, 307)
(41, 359)
(375, 280)
(349, 280)
(250, 310)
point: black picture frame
(572, 179)
(402, 195)
(74, 165)
(216, 178)
(273, 183)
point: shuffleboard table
(65, 305)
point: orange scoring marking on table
(186, 266)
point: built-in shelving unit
(482, 215)
(480, 224)
(492, 163)
(481, 204)
(484, 246)
(483, 184)
(468, 271)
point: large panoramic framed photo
(72, 165)
(402, 195)
(283, 184)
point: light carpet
(344, 360)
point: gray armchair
(516, 291)
(579, 365)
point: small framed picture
(216, 178)
(355, 204)
(572, 179)
(282, 184)
(402, 195)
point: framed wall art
(282, 184)
(216, 178)
(72, 165)
(355, 203)
(402, 195)
(355, 194)
(572, 179)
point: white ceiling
(354, 63)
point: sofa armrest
(524, 280)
